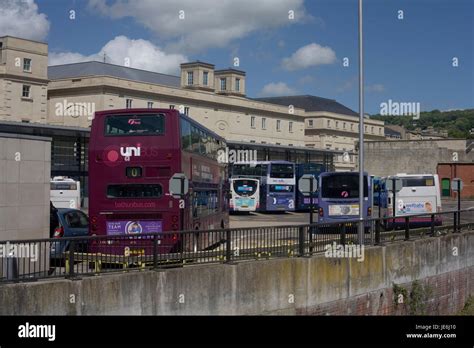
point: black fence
(74, 257)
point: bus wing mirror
(179, 185)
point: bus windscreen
(63, 186)
(418, 181)
(129, 125)
(134, 191)
(282, 171)
(245, 187)
(342, 186)
(249, 170)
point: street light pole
(361, 131)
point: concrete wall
(25, 170)
(382, 158)
(316, 285)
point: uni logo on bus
(130, 151)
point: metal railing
(73, 257)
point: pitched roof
(310, 103)
(94, 68)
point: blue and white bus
(245, 194)
(338, 197)
(302, 201)
(277, 183)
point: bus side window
(203, 142)
(186, 142)
(195, 139)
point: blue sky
(408, 60)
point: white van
(419, 194)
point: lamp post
(361, 131)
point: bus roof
(404, 175)
(104, 113)
(243, 178)
(332, 173)
(265, 162)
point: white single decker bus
(245, 194)
(65, 192)
(419, 194)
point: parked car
(71, 223)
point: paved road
(297, 218)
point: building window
(252, 121)
(310, 123)
(264, 123)
(237, 85)
(380, 130)
(26, 64)
(171, 106)
(290, 127)
(26, 91)
(278, 126)
(186, 110)
(252, 141)
(190, 78)
(365, 129)
(337, 124)
(128, 103)
(372, 130)
(205, 77)
(344, 125)
(150, 105)
(223, 84)
(329, 124)
(352, 126)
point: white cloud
(206, 23)
(309, 55)
(375, 88)
(306, 80)
(140, 54)
(277, 89)
(21, 18)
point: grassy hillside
(458, 123)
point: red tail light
(94, 219)
(58, 232)
(175, 237)
(321, 212)
(174, 218)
